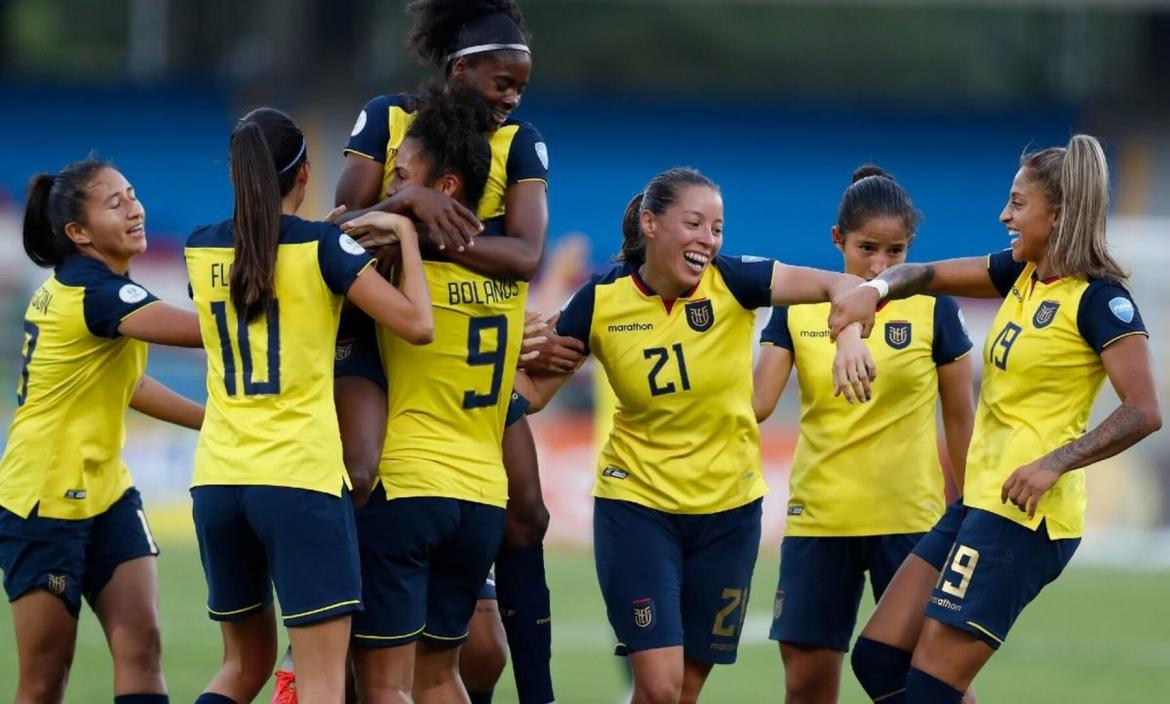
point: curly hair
(437, 24)
(450, 128)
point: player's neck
(118, 265)
(1044, 269)
(660, 283)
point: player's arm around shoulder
(407, 312)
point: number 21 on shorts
(963, 565)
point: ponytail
(255, 222)
(267, 150)
(633, 243)
(54, 201)
(1075, 180)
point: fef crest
(643, 613)
(1045, 314)
(700, 315)
(898, 334)
(778, 604)
(56, 583)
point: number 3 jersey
(448, 400)
(270, 414)
(684, 436)
(1042, 371)
(64, 448)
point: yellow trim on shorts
(213, 612)
(372, 637)
(985, 632)
(351, 602)
(432, 635)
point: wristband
(879, 285)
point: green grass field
(1095, 636)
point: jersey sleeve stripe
(531, 180)
(347, 150)
(1123, 335)
(150, 303)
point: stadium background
(778, 100)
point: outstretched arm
(157, 401)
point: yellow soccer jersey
(518, 152)
(270, 415)
(65, 445)
(684, 437)
(1041, 373)
(871, 468)
(448, 400)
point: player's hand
(853, 366)
(854, 306)
(335, 213)
(1027, 485)
(377, 229)
(534, 336)
(555, 354)
(448, 223)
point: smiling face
(1029, 218)
(880, 243)
(682, 241)
(499, 77)
(113, 221)
(413, 167)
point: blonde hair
(1076, 181)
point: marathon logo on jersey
(614, 472)
(1045, 314)
(778, 604)
(631, 327)
(700, 315)
(643, 612)
(76, 494)
(898, 334)
(56, 583)
(815, 333)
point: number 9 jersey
(270, 414)
(448, 400)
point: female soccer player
(677, 516)
(270, 487)
(1066, 323)
(481, 45)
(71, 521)
(860, 497)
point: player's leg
(521, 583)
(995, 569)
(121, 584)
(485, 654)
(239, 593)
(359, 392)
(720, 551)
(815, 609)
(459, 568)
(395, 539)
(43, 560)
(881, 656)
(639, 558)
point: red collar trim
(649, 292)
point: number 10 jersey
(448, 400)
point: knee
(44, 681)
(527, 523)
(362, 465)
(806, 684)
(138, 648)
(250, 669)
(657, 691)
(880, 668)
(492, 659)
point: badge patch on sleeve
(1122, 307)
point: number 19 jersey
(270, 415)
(448, 400)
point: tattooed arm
(956, 277)
(1127, 362)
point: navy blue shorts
(72, 558)
(304, 542)
(671, 579)
(821, 581)
(425, 561)
(995, 568)
(357, 348)
(936, 544)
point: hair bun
(867, 170)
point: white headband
(295, 158)
(480, 48)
